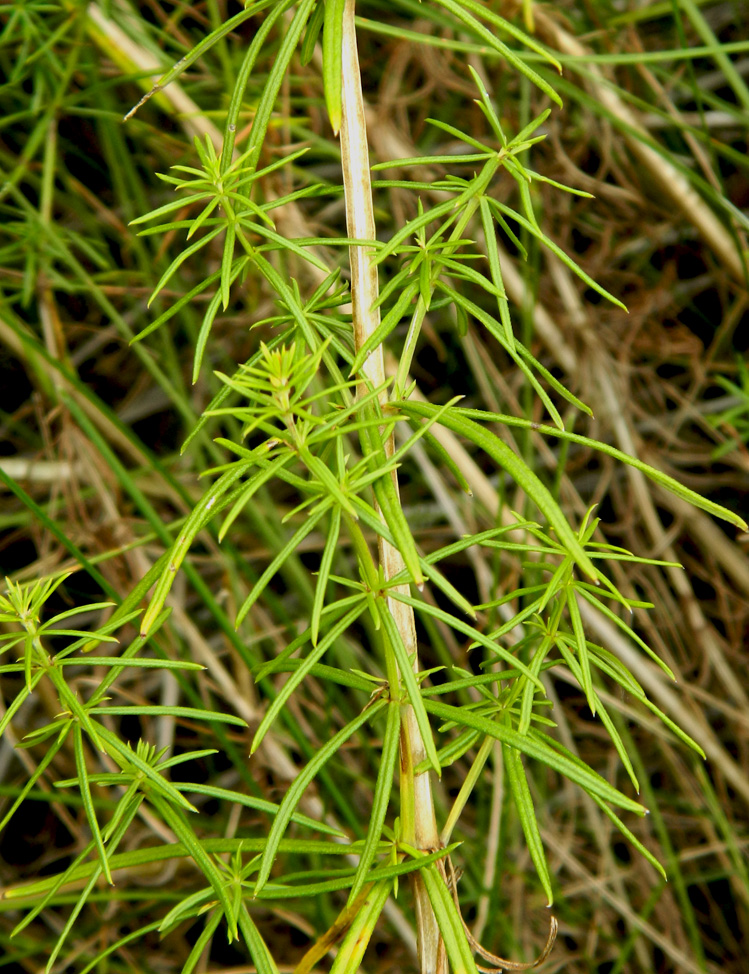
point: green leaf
(662, 479)
(509, 28)
(71, 920)
(92, 869)
(177, 204)
(194, 523)
(34, 776)
(139, 932)
(206, 935)
(456, 8)
(301, 672)
(603, 716)
(180, 259)
(582, 648)
(161, 710)
(518, 470)
(291, 545)
(243, 76)
(311, 34)
(187, 908)
(279, 890)
(227, 262)
(558, 252)
(326, 562)
(332, 60)
(202, 48)
(523, 802)
(539, 747)
(528, 691)
(462, 136)
(381, 798)
(351, 951)
(499, 330)
(80, 763)
(414, 225)
(168, 851)
(122, 662)
(405, 667)
(441, 582)
(244, 495)
(298, 246)
(332, 674)
(261, 955)
(449, 921)
(282, 662)
(630, 836)
(620, 624)
(173, 818)
(281, 63)
(445, 457)
(300, 783)
(250, 801)
(328, 480)
(492, 253)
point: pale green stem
(417, 804)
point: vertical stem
(417, 806)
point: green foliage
(305, 452)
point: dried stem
(417, 812)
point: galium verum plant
(323, 414)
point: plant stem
(417, 806)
